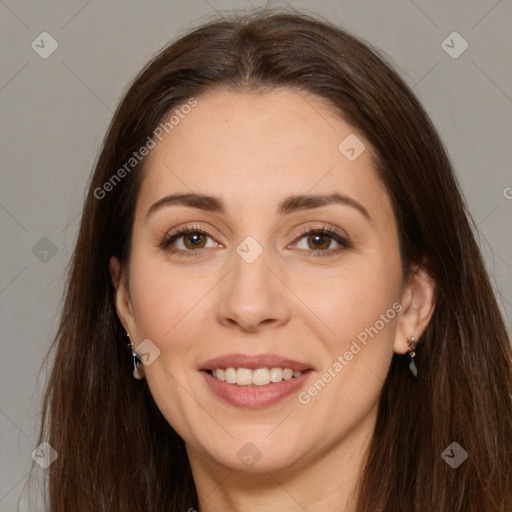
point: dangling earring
(411, 343)
(138, 370)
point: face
(256, 276)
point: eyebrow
(289, 205)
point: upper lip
(253, 362)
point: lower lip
(255, 397)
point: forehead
(255, 148)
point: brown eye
(193, 240)
(319, 241)
(187, 242)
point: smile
(254, 381)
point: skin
(253, 150)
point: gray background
(54, 113)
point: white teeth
(219, 374)
(276, 374)
(244, 377)
(230, 374)
(258, 377)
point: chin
(248, 457)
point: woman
(276, 299)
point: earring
(138, 370)
(411, 343)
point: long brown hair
(116, 452)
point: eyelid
(188, 228)
(322, 227)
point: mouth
(254, 381)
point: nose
(254, 296)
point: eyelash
(325, 230)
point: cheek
(356, 298)
(167, 310)
(358, 314)
(162, 299)
(358, 309)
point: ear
(122, 299)
(418, 304)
